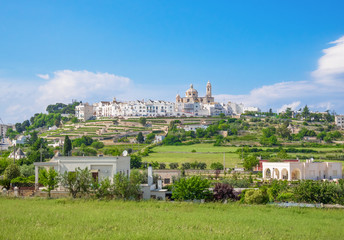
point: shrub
(162, 165)
(135, 161)
(23, 181)
(193, 150)
(97, 145)
(186, 166)
(191, 188)
(174, 165)
(224, 191)
(11, 172)
(255, 197)
(285, 197)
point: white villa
(190, 105)
(302, 170)
(100, 167)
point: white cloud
(66, 85)
(330, 69)
(327, 83)
(43, 76)
(292, 106)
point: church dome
(191, 92)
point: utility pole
(41, 150)
(14, 153)
(224, 161)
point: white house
(302, 170)
(100, 167)
(194, 127)
(339, 120)
(19, 154)
(20, 140)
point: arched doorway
(296, 174)
(268, 173)
(284, 174)
(276, 173)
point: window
(167, 181)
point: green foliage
(250, 161)
(135, 161)
(186, 166)
(112, 152)
(150, 137)
(143, 121)
(97, 145)
(126, 187)
(77, 182)
(12, 171)
(27, 170)
(67, 147)
(49, 180)
(103, 189)
(62, 108)
(140, 138)
(78, 142)
(162, 165)
(216, 166)
(23, 181)
(4, 162)
(257, 196)
(319, 192)
(171, 140)
(191, 188)
(174, 165)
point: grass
(67, 219)
(232, 159)
(202, 147)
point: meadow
(82, 219)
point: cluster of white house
(190, 105)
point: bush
(135, 161)
(224, 191)
(285, 197)
(162, 165)
(255, 197)
(186, 166)
(174, 165)
(216, 166)
(23, 181)
(191, 188)
(97, 145)
(11, 172)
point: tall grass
(79, 219)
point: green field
(67, 219)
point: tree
(222, 115)
(216, 166)
(135, 161)
(126, 187)
(11, 172)
(140, 138)
(143, 121)
(305, 112)
(250, 161)
(67, 147)
(150, 137)
(191, 188)
(49, 180)
(77, 182)
(97, 145)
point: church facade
(191, 96)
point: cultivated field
(67, 219)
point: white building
(20, 140)
(19, 154)
(190, 105)
(100, 167)
(3, 129)
(84, 111)
(339, 120)
(194, 127)
(302, 170)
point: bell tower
(208, 90)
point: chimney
(150, 176)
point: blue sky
(262, 53)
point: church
(191, 96)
